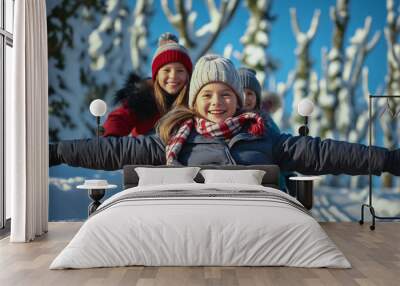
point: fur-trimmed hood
(138, 95)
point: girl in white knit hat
(215, 107)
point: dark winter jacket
(304, 154)
(137, 113)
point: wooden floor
(374, 255)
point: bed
(201, 224)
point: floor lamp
(304, 184)
(97, 108)
(305, 108)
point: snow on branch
(184, 18)
(180, 20)
(256, 38)
(361, 43)
(392, 32)
(301, 84)
(356, 53)
(333, 67)
(393, 57)
(139, 34)
(301, 37)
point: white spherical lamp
(98, 107)
(305, 107)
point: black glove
(392, 162)
(53, 155)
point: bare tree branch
(371, 44)
(226, 13)
(294, 22)
(314, 24)
(391, 50)
(179, 20)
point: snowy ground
(342, 204)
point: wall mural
(334, 53)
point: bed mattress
(201, 225)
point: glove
(53, 155)
(392, 162)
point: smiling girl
(143, 102)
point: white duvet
(180, 231)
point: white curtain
(27, 123)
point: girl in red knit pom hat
(144, 101)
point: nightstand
(96, 191)
(304, 189)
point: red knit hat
(169, 51)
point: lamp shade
(98, 107)
(305, 107)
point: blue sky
(282, 39)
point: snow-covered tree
(183, 20)
(340, 112)
(303, 70)
(256, 39)
(140, 34)
(334, 60)
(60, 38)
(356, 53)
(389, 118)
(89, 57)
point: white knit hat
(214, 68)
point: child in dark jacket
(252, 102)
(252, 96)
(144, 101)
(215, 130)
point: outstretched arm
(108, 153)
(119, 122)
(310, 155)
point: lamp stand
(98, 126)
(303, 130)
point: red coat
(123, 121)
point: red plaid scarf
(224, 130)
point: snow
(334, 68)
(256, 55)
(333, 54)
(111, 5)
(98, 63)
(117, 25)
(301, 39)
(262, 4)
(264, 25)
(351, 51)
(95, 43)
(262, 38)
(299, 84)
(66, 184)
(228, 51)
(105, 24)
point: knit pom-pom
(167, 38)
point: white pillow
(249, 177)
(164, 176)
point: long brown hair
(161, 97)
(168, 124)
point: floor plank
(374, 255)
